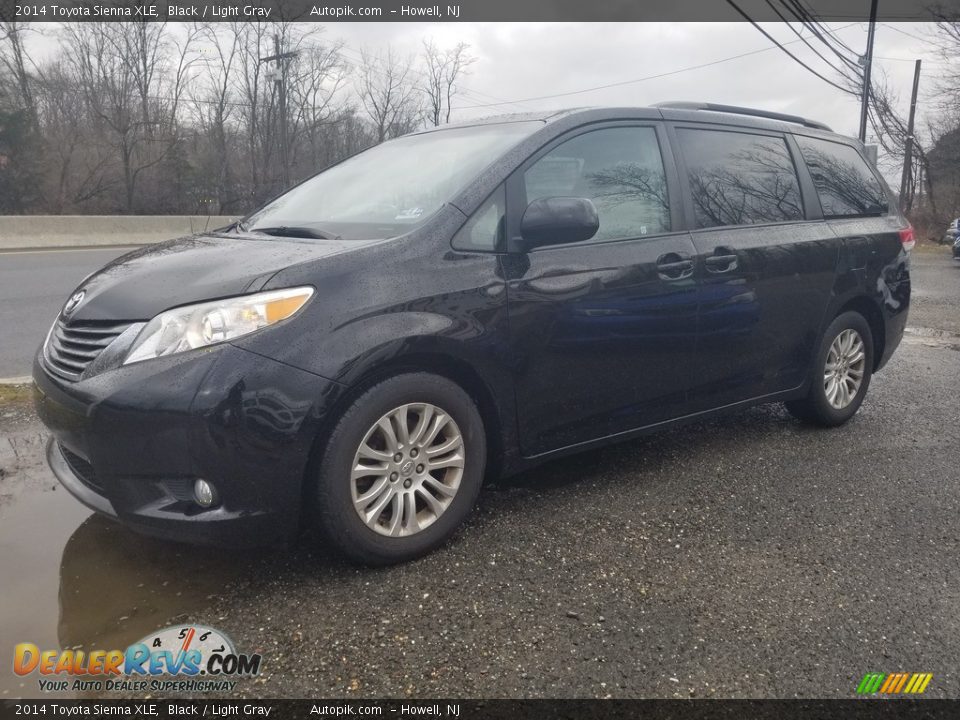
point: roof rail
(733, 109)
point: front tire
(841, 373)
(402, 469)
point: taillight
(907, 239)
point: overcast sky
(530, 60)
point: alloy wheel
(407, 469)
(843, 373)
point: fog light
(205, 493)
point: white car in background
(953, 232)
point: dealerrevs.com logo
(191, 658)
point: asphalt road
(745, 557)
(33, 287)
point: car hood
(147, 281)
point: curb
(20, 380)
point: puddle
(73, 579)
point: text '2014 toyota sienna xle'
(466, 302)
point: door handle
(674, 266)
(723, 260)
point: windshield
(388, 189)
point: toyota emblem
(72, 303)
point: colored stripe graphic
(894, 683)
(870, 683)
(891, 679)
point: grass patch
(16, 395)
(932, 248)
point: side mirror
(558, 220)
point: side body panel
(601, 340)
(874, 267)
(410, 303)
(601, 331)
(765, 286)
(760, 322)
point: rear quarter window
(738, 178)
(845, 184)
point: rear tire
(402, 469)
(841, 373)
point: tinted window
(845, 184)
(740, 179)
(619, 169)
(484, 229)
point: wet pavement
(73, 579)
(750, 556)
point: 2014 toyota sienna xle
(463, 303)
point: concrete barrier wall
(53, 231)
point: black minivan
(463, 303)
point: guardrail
(23, 232)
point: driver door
(602, 331)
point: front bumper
(130, 442)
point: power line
(909, 60)
(829, 31)
(635, 80)
(807, 13)
(800, 35)
(904, 32)
(775, 42)
(823, 34)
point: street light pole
(281, 80)
(908, 146)
(868, 61)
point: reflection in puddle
(75, 580)
(116, 586)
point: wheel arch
(448, 365)
(868, 309)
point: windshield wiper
(296, 232)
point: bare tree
(157, 117)
(258, 87)
(132, 80)
(315, 82)
(14, 56)
(212, 98)
(78, 158)
(888, 127)
(387, 92)
(442, 70)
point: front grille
(74, 345)
(82, 469)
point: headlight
(196, 326)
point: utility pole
(867, 61)
(281, 80)
(908, 146)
